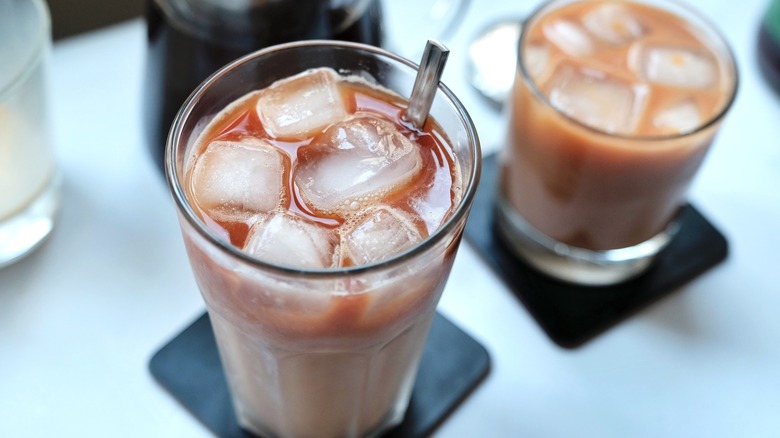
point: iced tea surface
(627, 68)
(320, 171)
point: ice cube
(613, 23)
(290, 240)
(241, 175)
(537, 59)
(301, 105)
(354, 161)
(569, 37)
(597, 99)
(680, 117)
(380, 234)
(678, 67)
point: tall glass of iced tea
(614, 107)
(321, 229)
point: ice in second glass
(614, 107)
(321, 229)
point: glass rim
(43, 37)
(186, 209)
(703, 23)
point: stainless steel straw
(427, 81)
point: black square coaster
(570, 314)
(452, 365)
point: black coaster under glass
(571, 314)
(452, 365)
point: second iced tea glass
(319, 353)
(579, 198)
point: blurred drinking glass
(614, 107)
(29, 183)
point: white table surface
(80, 317)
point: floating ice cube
(301, 105)
(597, 99)
(537, 58)
(380, 234)
(678, 67)
(569, 37)
(355, 160)
(613, 23)
(681, 117)
(241, 175)
(293, 241)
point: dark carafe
(190, 39)
(769, 45)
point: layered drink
(321, 228)
(614, 107)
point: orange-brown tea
(318, 172)
(408, 173)
(614, 107)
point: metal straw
(426, 83)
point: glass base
(573, 264)
(23, 232)
(392, 420)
